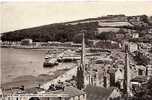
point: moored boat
(50, 62)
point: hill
(71, 31)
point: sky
(20, 15)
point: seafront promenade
(38, 45)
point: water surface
(20, 62)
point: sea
(20, 62)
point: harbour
(23, 62)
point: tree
(144, 18)
(150, 50)
(149, 87)
(105, 36)
(80, 78)
(141, 59)
(144, 92)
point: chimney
(22, 88)
(105, 81)
(63, 88)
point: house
(133, 46)
(134, 18)
(76, 45)
(107, 44)
(150, 30)
(1, 94)
(149, 70)
(141, 70)
(135, 35)
(119, 36)
(137, 70)
(119, 78)
(26, 41)
(100, 93)
(92, 42)
(137, 82)
(139, 79)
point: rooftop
(70, 91)
(98, 93)
(139, 79)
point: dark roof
(33, 90)
(70, 91)
(98, 93)
(139, 79)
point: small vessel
(50, 62)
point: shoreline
(30, 80)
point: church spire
(81, 69)
(83, 52)
(127, 71)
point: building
(100, 71)
(133, 47)
(66, 93)
(100, 93)
(119, 78)
(26, 42)
(149, 70)
(107, 44)
(150, 30)
(134, 18)
(1, 94)
(141, 70)
(135, 35)
(138, 82)
(119, 36)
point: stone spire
(81, 69)
(83, 52)
(126, 71)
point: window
(105, 81)
(140, 72)
(60, 98)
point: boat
(50, 62)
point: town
(114, 64)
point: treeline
(64, 32)
(53, 32)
